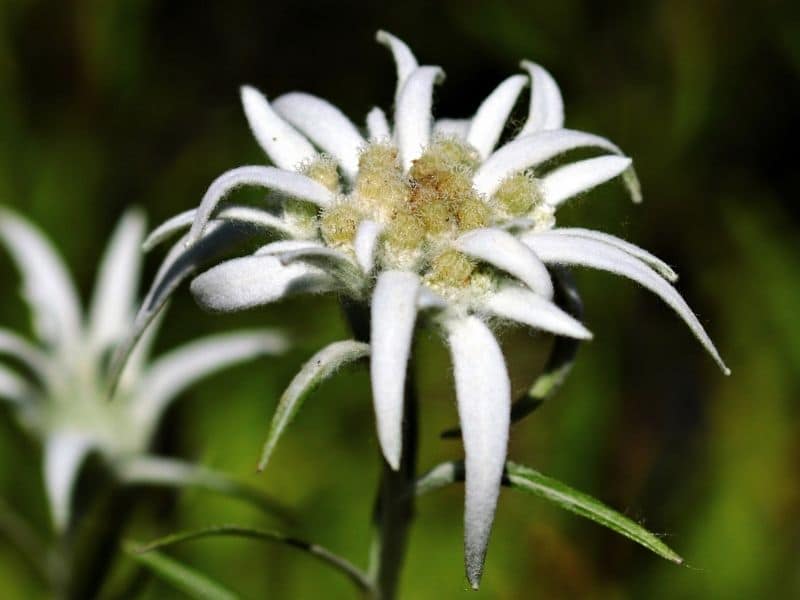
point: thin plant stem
(394, 504)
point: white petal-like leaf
(488, 122)
(112, 306)
(457, 128)
(483, 391)
(325, 125)
(175, 371)
(429, 300)
(656, 263)
(250, 281)
(366, 244)
(47, 286)
(522, 305)
(394, 312)
(412, 116)
(245, 215)
(555, 249)
(283, 246)
(404, 59)
(285, 146)
(504, 251)
(531, 150)
(286, 182)
(578, 177)
(13, 388)
(321, 366)
(20, 349)
(378, 125)
(64, 455)
(546, 107)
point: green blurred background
(106, 104)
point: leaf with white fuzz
(147, 470)
(523, 306)
(292, 184)
(429, 300)
(394, 312)
(325, 125)
(656, 263)
(504, 251)
(250, 281)
(178, 369)
(559, 250)
(321, 366)
(457, 128)
(244, 215)
(333, 262)
(530, 481)
(116, 284)
(20, 349)
(489, 121)
(282, 246)
(46, 285)
(179, 265)
(570, 180)
(64, 455)
(285, 146)
(378, 125)
(404, 59)
(546, 105)
(532, 150)
(483, 392)
(412, 115)
(366, 244)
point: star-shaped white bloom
(62, 397)
(430, 218)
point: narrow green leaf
(320, 367)
(528, 480)
(324, 555)
(188, 580)
(169, 472)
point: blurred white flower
(59, 390)
(431, 218)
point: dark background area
(105, 104)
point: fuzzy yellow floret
(472, 213)
(405, 231)
(324, 171)
(380, 176)
(518, 194)
(339, 223)
(450, 269)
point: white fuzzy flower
(63, 395)
(426, 218)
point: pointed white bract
(412, 117)
(115, 291)
(285, 182)
(284, 246)
(570, 180)
(13, 388)
(489, 121)
(530, 151)
(286, 148)
(366, 244)
(325, 125)
(483, 392)
(46, 284)
(546, 106)
(64, 454)
(18, 348)
(523, 306)
(457, 128)
(394, 312)
(506, 252)
(598, 255)
(378, 125)
(403, 58)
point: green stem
(394, 505)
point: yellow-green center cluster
(423, 211)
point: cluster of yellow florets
(421, 211)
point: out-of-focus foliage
(108, 104)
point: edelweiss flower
(426, 218)
(63, 395)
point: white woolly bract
(491, 117)
(546, 106)
(578, 177)
(412, 116)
